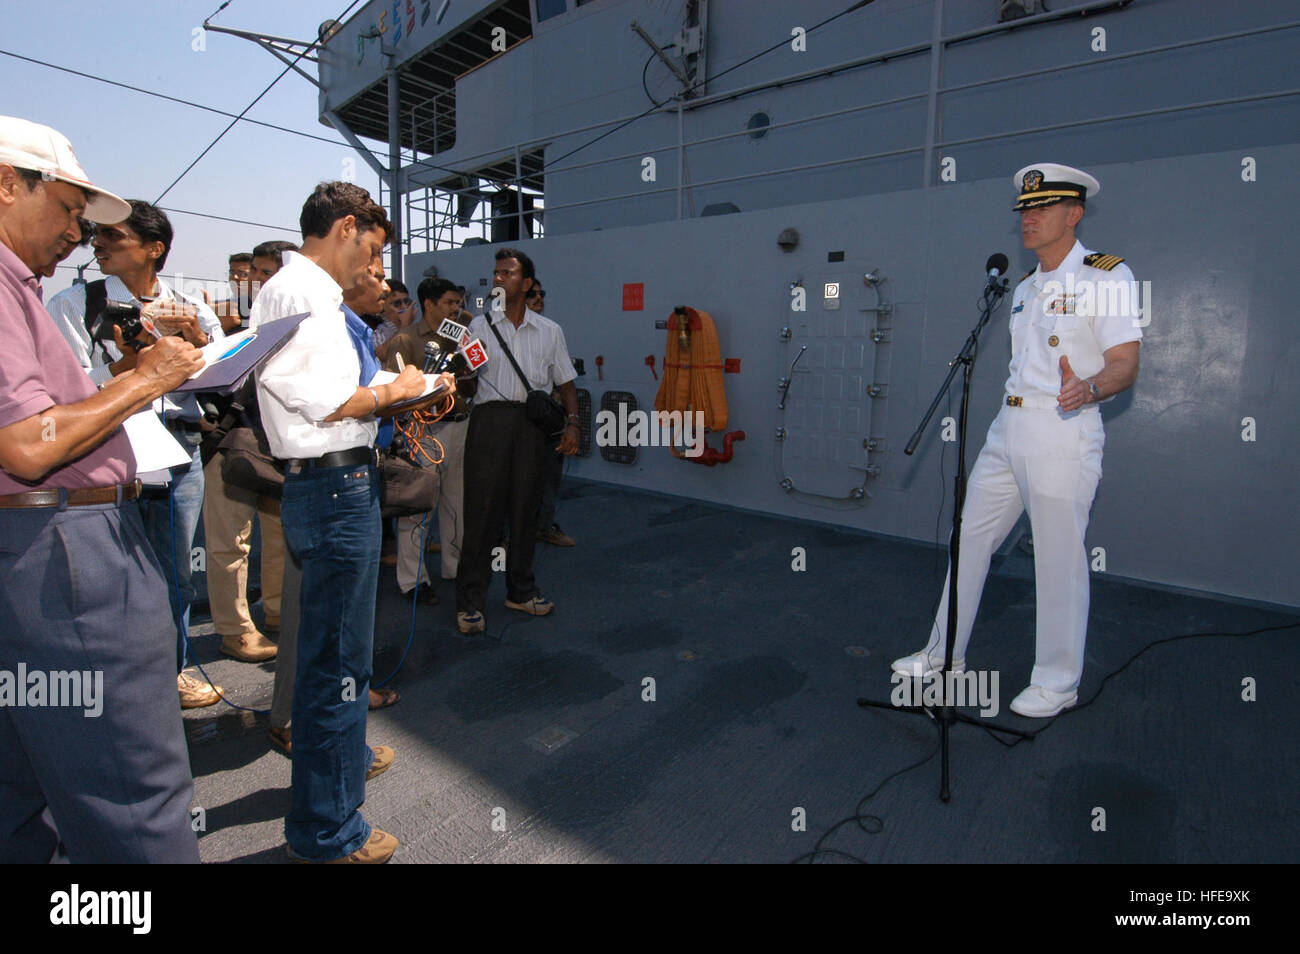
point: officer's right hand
(168, 363)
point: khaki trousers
(451, 505)
(227, 530)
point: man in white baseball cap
(1073, 344)
(37, 148)
(90, 726)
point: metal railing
(438, 203)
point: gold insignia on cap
(1033, 179)
(1053, 341)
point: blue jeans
(331, 523)
(170, 525)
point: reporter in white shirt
(320, 419)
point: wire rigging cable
(700, 82)
(242, 117)
(212, 109)
(255, 101)
(175, 99)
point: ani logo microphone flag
(450, 329)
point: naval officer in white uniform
(1075, 334)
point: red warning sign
(634, 297)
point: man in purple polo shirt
(89, 722)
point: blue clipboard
(230, 359)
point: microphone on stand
(996, 266)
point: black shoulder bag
(246, 460)
(96, 299)
(544, 411)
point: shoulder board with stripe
(1026, 275)
(1101, 260)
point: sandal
(384, 697)
(282, 739)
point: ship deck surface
(542, 724)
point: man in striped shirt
(505, 453)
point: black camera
(125, 315)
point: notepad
(227, 361)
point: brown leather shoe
(384, 757)
(376, 851)
(249, 647)
(195, 692)
(555, 536)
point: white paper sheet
(431, 386)
(153, 445)
(388, 377)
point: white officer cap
(1046, 183)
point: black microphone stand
(965, 360)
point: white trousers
(1049, 464)
(451, 523)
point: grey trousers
(84, 617)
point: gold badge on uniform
(1033, 179)
(1053, 341)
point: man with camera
(104, 324)
(320, 414)
(81, 592)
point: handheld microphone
(996, 266)
(447, 340)
(432, 357)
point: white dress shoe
(922, 664)
(1039, 703)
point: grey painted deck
(755, 713)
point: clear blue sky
(134, 144)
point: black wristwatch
(1096, 392)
